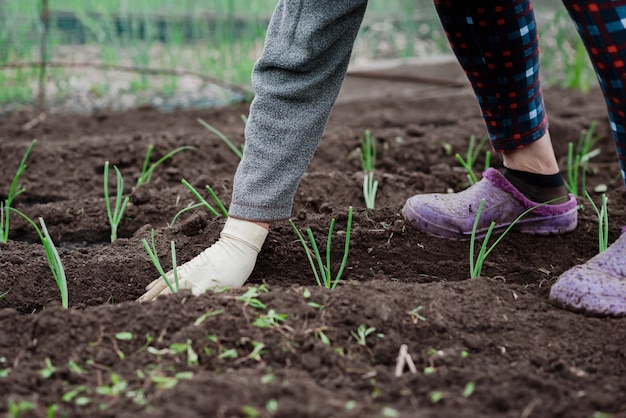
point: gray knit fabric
(296, 82)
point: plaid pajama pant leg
(602, 27)
(497, 46)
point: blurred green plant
(578, 160)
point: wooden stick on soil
(404, 359)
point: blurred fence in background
(86, 55)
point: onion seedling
(603, 221)
(324, 276)
(115, 215)
(477, 266)
(15, 190)
(52, 255)
(224, 138)
(148, 169)
(471, 156)
(201, 202)
(152, 253)
(367, 156)
(577, 161)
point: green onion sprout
(148, 169)
(224, 138)
(367, 156)
(603, 221)
(152, 253)
(114, 215)
(52, 255)
(477, 265)
(578, 160)
(201, 202)
(323, 276)
(473, 150)
(15, 190)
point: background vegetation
(121, 53)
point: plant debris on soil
(281, 346)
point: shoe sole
(544, 226)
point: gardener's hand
(227, 263)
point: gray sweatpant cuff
(259, 213)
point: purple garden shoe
(452, 215)
(597, 287)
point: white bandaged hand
(227, 263)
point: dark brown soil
(524, 357)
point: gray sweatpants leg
(296, 81)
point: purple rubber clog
(452, 215)
(597, 287)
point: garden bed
(490, 346)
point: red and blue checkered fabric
(497, 46)
(602, 27)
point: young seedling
(152, 253)
(148, 169)
(52, 255)
(250, 298)
(15, 190)
(477, 266)
(114, 215)
(367, 156)
(201, 202)
(269, 320)
(578, 161)
(603, 221)
(473, 150)
(361, 333)
(224, 138)
(415, 315)
(324, 275)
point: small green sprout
(180, 348)
(201, 202)
(249, 411)
(367, 156)
(578, 161)
(48, 370)
(148, 169)
(124, 336)
(471, 156)
(361, 333)
(75, 368)
(116, 389)
(469, 389)
(436, 396)
(603, 221)
(152, 253)
(52, 255)
(476, 265)
(227, 353)
(224, 138)
(115, 215)
(15, 190)
(257, 351)
(249, 298)
(271, 406)
(389, 412)
(415, 315)
(324, 276)
(164, 382)
(270, 320)
(15, 409)
(206, 315)
(321, 336)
